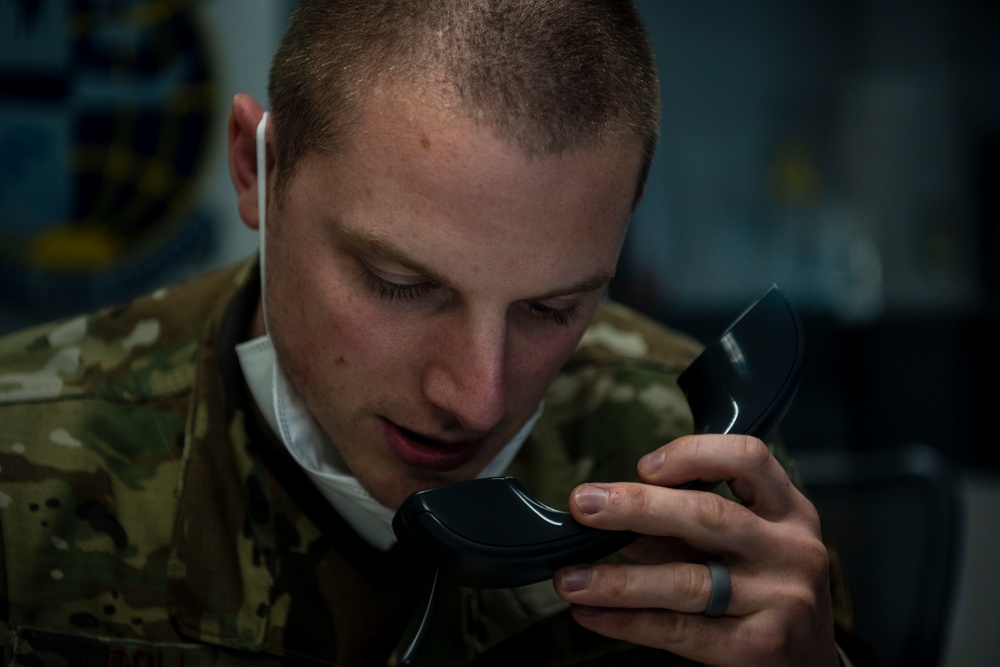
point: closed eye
(390, 290)
(562, 315)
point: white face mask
(287, 415)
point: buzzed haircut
(547, 76)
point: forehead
(419, 172)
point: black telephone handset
(490, 533)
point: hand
(780, 611)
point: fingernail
(591, 499)
(651, 462)
(576, 578)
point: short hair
(547, 75)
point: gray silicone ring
(722, 588)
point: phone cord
(410, 656)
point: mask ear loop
(262, 205)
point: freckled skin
(470, 359)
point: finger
(692, 636)
(683, 587)
(706, 521)
(711, 641)
(753, 474)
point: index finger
(705, 521)
(754, 476)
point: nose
(467, 375)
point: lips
(426, 453)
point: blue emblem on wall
(105, 113)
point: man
(205, 476)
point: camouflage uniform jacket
(149, 519)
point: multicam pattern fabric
(148, 519)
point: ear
(243, 121)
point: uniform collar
(222, 560)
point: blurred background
(848, 151)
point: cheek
(540, 356)
(536, 362)
(316, 327)
(344, 340)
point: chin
(393, 493)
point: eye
(560, 315)
(393, 290)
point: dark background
(886, 232)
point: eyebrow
(368, 242)
(597, 281)
(371, 243)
